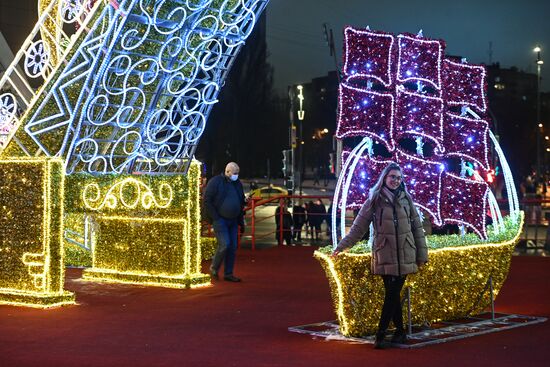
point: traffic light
(287, 162)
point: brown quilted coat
(392, 254)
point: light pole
(301, 116)
(538, 51)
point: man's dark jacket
(215, 194)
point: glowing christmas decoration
(125, 87)
(450, 286)
(419, 115)
(31, 249)
(140, 231)
(141, 194)
(146, 251)
(416, 101)
(132, 87)
(366, 113)
(465, 84)
(419, 59)
(468, 137)
(370, 55)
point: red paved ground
(246, 324)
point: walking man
(224, 202)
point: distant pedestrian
(309, 215)
(283, 230)
(316, 175)
(224, 202)
(299, 219)
(317, 215)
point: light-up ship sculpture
(124, 87)
(406, 102)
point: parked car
(267, 192)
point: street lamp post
(538, 50)
(301, 116)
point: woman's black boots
(399, 337)
(379, 340)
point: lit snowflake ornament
(37, 60)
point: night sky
(299, 53)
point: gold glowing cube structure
(144, 229)
(453, 285)
(31, 245)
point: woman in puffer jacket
(399, 246)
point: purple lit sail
(465, 84)
(419, 115)
(365, 113)
(368, 55)
(403, 87)
(419, 60)
(466, 138)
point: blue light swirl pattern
(156, 85)
(135, 85)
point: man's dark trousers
(226, 234)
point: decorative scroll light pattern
(138, 85)
(418, 103)
(135, 246)
(129, 193)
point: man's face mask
(233, 177)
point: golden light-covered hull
(451, 286)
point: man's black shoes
(231, 278)
(214, 275)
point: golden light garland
(139, 193)
(142, 250)
(50, 31)
(31, 248)
(450, 286)
(139, 239)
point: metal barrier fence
(267, 222)
(270, 220)
(536, 230)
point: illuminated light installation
(133, 86)
(127, 91)
(31, 247)
(140, 231)
(412, 92)
(141, 192)
(450, 286)
(398, 92)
